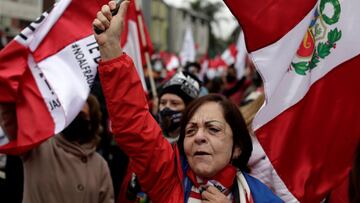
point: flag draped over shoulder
(47, 71)
(308, 55)
(134, 43)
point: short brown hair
(95, 114)
(233, 117)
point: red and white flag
(308, 55)
(229, 55)
(47, 70)
(132, 41)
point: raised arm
(135, 130)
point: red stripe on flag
(34, 121)
(13, 64)
(132, 15)
(265, 19)
(315, 157)
(74, 24)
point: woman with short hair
(214, 143)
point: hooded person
(174, 96)
(66, 167)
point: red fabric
(138, 134)
(217, 62)
(132, 15)
(312, 144)
(341, 193)
(12, 68)
(268, 19)
(328, 134)
(225, 177)
(74, 24)
(18, 86)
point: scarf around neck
(223, 181)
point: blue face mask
(169, 120)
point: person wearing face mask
(174, 96)
(66, 167)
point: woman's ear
(236, 152)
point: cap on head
(184, 85)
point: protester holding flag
(214, 144)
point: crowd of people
(193, 143)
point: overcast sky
(227, 24)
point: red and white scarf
(223, 181)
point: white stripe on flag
(46, 22)
(241, 56)
(58, 79)
(132, 48)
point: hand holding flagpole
(110, 28)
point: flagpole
(147, 54)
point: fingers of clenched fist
(213, 195)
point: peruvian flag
(308, 55)
(47, 71)
(136, 40)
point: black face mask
(79, 130)
(169, 120)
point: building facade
(167, 26)
(17, 14)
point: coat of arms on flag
(318, 40)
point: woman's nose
(200, 136)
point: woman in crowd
(210, 162)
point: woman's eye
(214, 130)
(189, 132)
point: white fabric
(35, 38)
(240, 62)
(262, 169)
(72, 64)
(244, 190)
(188, 52)
(132, 48)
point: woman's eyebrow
(191, 123)
(214, 121)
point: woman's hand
(213, 195)
(112, 28)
